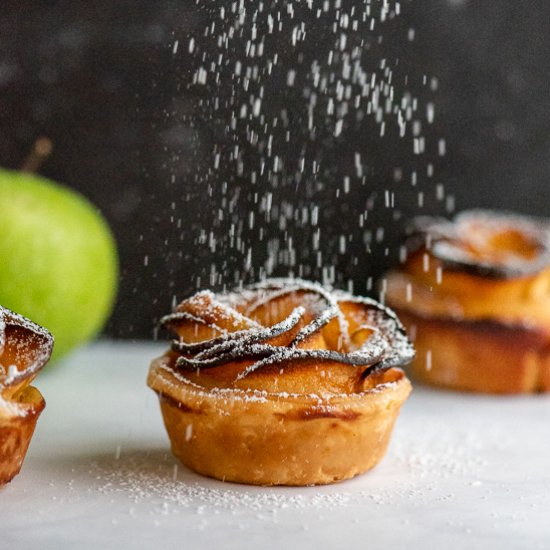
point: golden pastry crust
(281, 384)
(24, 349)
(475, 296)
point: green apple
(59, 263)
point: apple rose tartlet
(475, 295)
(281, 383)
(25, 348)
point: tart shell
(478, 355)
(261, 438)
(16, 431)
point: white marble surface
(461, 471)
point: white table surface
(462, 470)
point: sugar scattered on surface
(423, 462)
(140, 482)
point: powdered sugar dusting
(263, 396)
(156, 485)
(385, 344)
(421, 464)
(465, 242)
(30, 343)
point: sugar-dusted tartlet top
(499, 245)
(481, 265)
(285, 335)
(25, 348)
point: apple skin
(59, 263)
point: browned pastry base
(482, 356)
(25, 348)
(278, 439)
(16, 432)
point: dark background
(135, 137)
